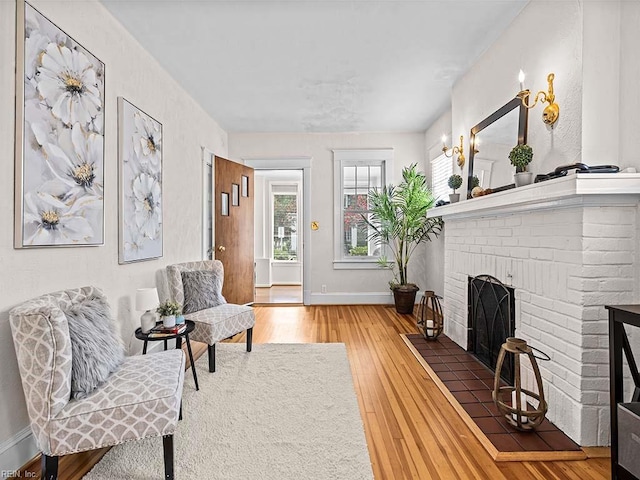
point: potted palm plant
(398, 220)
(520, 156)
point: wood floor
(279, 294)
(412, 431)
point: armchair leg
(167, 445)
(212, 358)
(49, 467)
(249, 338)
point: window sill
(355, 265)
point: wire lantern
(516, 412)
(429, 318)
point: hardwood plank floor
(412, 431)
(279, 294)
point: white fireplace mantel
(568, 246)
(575, 189)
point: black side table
(619, 316)
(185, 333)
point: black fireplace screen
(491, 321)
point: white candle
(429, 323)
(521, 80)
(444, 140)
(523, 406)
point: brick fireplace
(567, 247)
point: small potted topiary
(455, 182)
(168, 311)
(521, 156)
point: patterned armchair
(216, 323)
(141, 399)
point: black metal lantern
(515, 410)
(429, 316)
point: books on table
(161, 331)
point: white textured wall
(130, 72)
(408, 148)
(433, 251)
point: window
(441, 170)
(355, 173)
(284, 201)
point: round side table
(178, 336)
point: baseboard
(17, 450)
(363, 298)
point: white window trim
(353, 157)
(300, 232)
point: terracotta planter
(405, 298)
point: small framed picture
(235, 194)
(245, 186)
(224, 204)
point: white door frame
(304, 164)
(208, 158)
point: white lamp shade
(146, 299)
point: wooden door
(233, 203)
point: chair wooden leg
(212, 358)
(49, 467)
(167, 445)
(249, 338)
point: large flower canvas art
(140, 145)
(59, 137)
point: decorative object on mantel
(147, 300)
(551, 112)
(579, 168)
(520, 156)
(398, 220)
(517, 413)
(454, 182)
(429, 318)
(454, 150)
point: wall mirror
(491, 140)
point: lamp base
(147, 321)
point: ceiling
(317, 66)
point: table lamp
(147, 300)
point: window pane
(285, 227)
(358, 180)
(441, 170)
(375, 173)
(349, 176)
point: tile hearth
(471, 383)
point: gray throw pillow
(202, 290)
(95, 347)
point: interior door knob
(221, 248)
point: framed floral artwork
(59, 164)
(140, 154)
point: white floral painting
(140, 143)
(59, 137)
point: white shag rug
(281, 412)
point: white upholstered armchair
(140, 399)
(215, 323)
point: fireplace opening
(491, 321)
